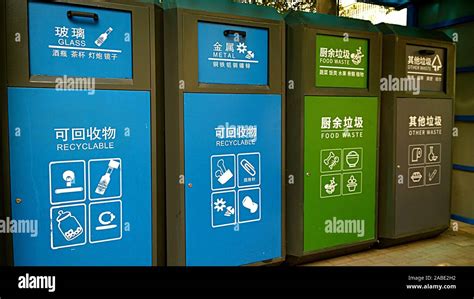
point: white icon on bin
(105, 179)
(68, 225)
(223, 174)
(67, 184)
(70, 178)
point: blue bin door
(80, 163)
(233, 161)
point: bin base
(388, 242)
(269, 263)
(329, 253)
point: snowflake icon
(242, 48)
(219, 205)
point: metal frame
(182, 70)
(301, 61)
(147, 75)
(5, 251)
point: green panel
(412, 32)
(436, 11)
(464, 94)
(464, 44)
(341, 148)
(329, 21)
(341, 62)
(225, 6)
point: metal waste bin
(333, 72)
(224, 65)
(416, 133)
(82, 146)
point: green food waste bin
(416, 133)
(333, 72)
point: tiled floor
(452, 248)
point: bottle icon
(69, 225)
(105, 179)
(103, 37)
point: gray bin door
(423, 147)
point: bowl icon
(352, 159)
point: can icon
(68, 225)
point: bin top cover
(329, 21)
(225, 6)
(412, 32)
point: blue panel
(79, 46)
(233, 160)
(464, 118)
(80, 162)
(462, 219)
(232, 59)
(463, 168)
(466, 69)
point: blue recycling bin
(82, 134)
(224, 133)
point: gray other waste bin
(416, 131)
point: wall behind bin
(3, 96)
(457, 18)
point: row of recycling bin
(217, 133)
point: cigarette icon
(432, 175)
(248, 167)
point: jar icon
(69, 225)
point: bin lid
(329, 21)
(62, 215)
(412, 32)
(225, 6)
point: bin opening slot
(426, 52)
(234, 32)
(83, 14)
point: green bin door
(340, 166)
